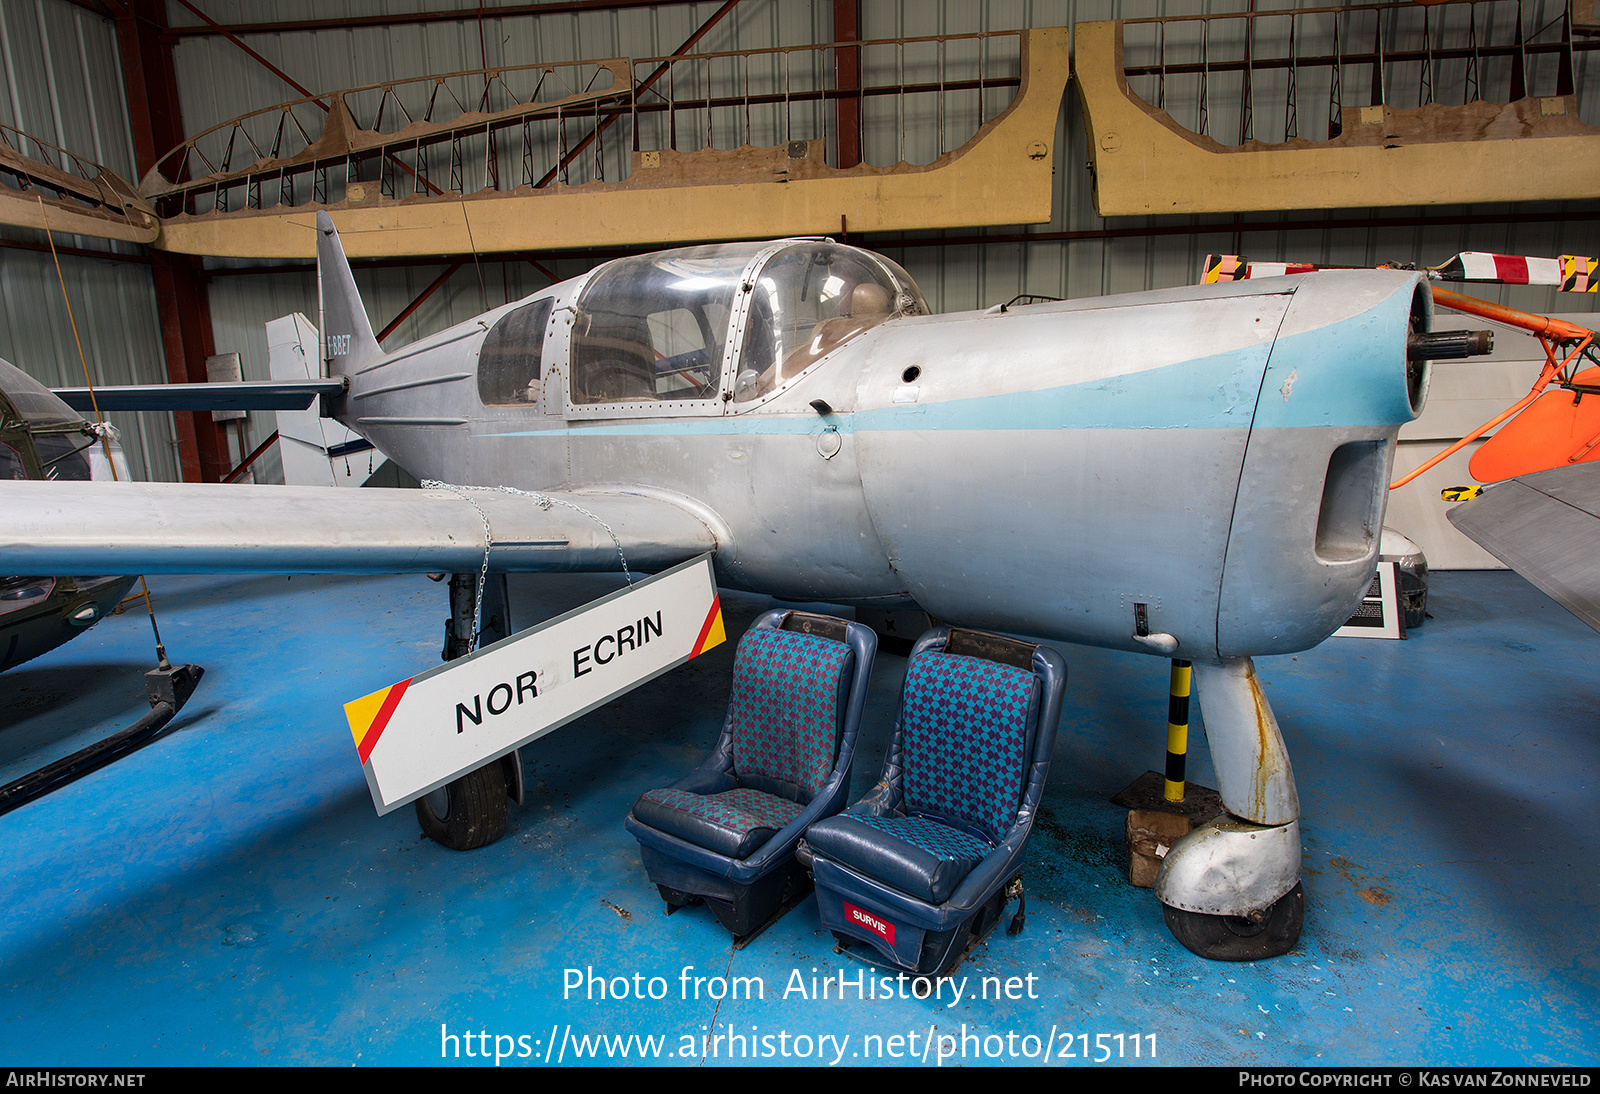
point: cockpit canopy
(22, 397)
(661, 326)
(41, 437)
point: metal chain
(544, 501)
(483, 571)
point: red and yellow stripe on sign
(370, 713)
(711, 631)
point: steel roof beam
(462, 15)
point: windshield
(33, 401)
(47, 431)
(811, 298)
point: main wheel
(467, 813)
(1236, 938)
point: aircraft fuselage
(1216, 454)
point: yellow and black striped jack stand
(1172, 792)
(1162, 810)
(1177, 729)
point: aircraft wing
(72, 528)
(1545, 526)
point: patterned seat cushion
(920, 856)
(783, 724)
(965, 734)
(733, 823)
(784, 711)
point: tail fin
(347, 339)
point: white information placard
(418, 735)
(1381, 615)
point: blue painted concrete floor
(228, 895)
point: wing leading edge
(71, 528)
(1546, 527)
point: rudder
(347, 339)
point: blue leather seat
(921, 867)
(727, 832)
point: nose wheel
(1271, 932)
(1230, 890)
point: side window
(613, 358)
(508, 363)
(688, 358)
(61, 456)
(672, 354)
(654, 328)
(11, 466)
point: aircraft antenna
(103, 432)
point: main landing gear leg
(471, 811)
(1231, 888)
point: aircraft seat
(922, 867)
(726, 833)
(613, 359)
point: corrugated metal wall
(58, 46)
(955, 277)
(217, 83)
(62, 84)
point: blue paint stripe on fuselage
(1216, 392)
(1351, 374)
(1211, 393)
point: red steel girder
(282, 75)
(186, 338)
(405, 313)
(847, 77)
(244, 464)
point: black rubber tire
(1231, 938)
(475, 815)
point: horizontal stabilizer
(248, 395)
(68, 528)
(1547, 528)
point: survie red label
(880, 927)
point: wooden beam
(1146, 164)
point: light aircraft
(1196, 472)
(42, 438)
